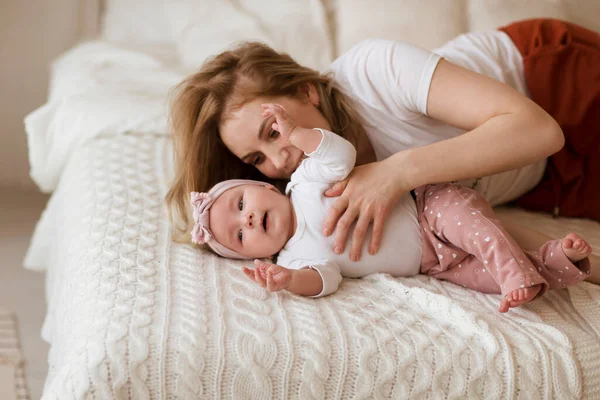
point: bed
(133, 315)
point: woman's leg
(560, 62)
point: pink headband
(201, 204)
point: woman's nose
(280, 159)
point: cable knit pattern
(132, 315)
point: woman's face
(252, 139)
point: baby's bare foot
(575, 248)
(518, 297)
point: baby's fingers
(258, 278)
(270, 282)
(274, 109)
(248, 272)
(268, 109)
(263, 266)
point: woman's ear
(308, 91)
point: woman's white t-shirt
(389, 83)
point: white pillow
(136, 21)
(203, 28)
(428, 24)
(491, 14)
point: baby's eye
(257, 160)
(273, 134)
(240, 235)
(241, 203)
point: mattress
(134, 315)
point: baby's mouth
(264, 221)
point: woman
(414, 117)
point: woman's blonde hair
(204, 100)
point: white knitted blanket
(132, 315)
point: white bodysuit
(389, 84)
(401, 246)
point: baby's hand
(284, 124)
(271, 276)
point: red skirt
(562, 71)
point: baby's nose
(250, 220)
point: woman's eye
(240, 235)
(241, 203)
(273, 134)
(257, 160)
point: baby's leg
(462, 219)
(558, 263)
(563, 262)
(530, 239)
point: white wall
(32, 33)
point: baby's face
(256, 221)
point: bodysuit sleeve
(332, 161)
(329, 271)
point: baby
(442, 230)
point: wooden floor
(22, 291)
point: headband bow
(200, 204)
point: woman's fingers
(333, 215)
(369, 192)
(358, 236)
(343, 226)
(378, 221)
(337, 189)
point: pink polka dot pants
(464, 243)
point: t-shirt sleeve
(328, 270)
(332, 161)
(387, 74)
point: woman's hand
(284, 124)
(366, 196)
(271, 276)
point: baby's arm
(305, 139)
(331, 158)
(313, 281)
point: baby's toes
(567, 243)
(514, 296)
(505, 304)
(586, 248)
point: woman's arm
(505, 130)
